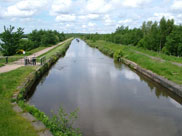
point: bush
(26, 44)
(117, 55)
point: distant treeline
(163, 36)
(12, 41)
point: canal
(113, 100)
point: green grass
(165, 69)
(11, 123)
(34, 50)
(19, 56)
(59, 48)
(158, 54)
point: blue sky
(85, 16)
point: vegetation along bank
(165, 72)
(13, 89)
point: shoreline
(171, 86)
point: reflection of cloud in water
(71, 54)
(176, 104)
(130, 75)
(92, 70)
(113, 74)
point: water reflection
(113, 100)
(130, 74)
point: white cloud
(134, 3)
(24, 8)
(86, 15)
(158, 16)
(126, 21)
(93, 16)
(65, 18)
(90, 24)
(98, 6)
(84, 26)
(61, 6)
(69, 25)
(89, 16)
(108, 21)
(177, 5)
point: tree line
(163, 36)
(12, 41)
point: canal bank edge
(173, 87)
(38, 119)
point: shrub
(117, 55)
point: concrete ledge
(26, 87)
(177, 89)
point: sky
(85, 16)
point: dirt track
(13, 66)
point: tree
(10, 40)
(49, 38)
(166, 28)
(174, 42)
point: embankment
(133, 60)
(20, 96)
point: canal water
(112, 99)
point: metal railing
(21, 60)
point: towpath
(16, 64)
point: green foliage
(165, 69)
(45, 38)
(117, 55)
(63, 123)
(10, 40)
(161, 36)
(61, 50)
(174, 42)
(13, 41)
(26, 44)
(11, 123)
(165, 29)
(59, 125)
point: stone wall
(177, 89)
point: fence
(21, 60)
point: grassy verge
(11, 123)
(159, 55)
(17, 57)
(165, 69)
(59, 49)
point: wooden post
(6, 59)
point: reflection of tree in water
(33, 88)
(158, 89)
(44, 77)
(118, 65)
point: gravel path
(17, 64)
(159, 59)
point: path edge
(21, 92)
(171, 86)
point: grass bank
(18, 56)
(59, 49)
(165, 69)
(158, 54)
(11, 123)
